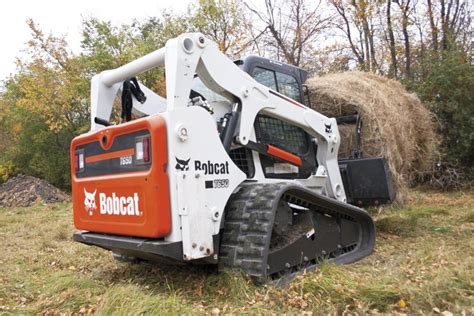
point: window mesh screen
(242, 157)
(283, 135)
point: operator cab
(283, 78)
(289, 80)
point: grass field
(423, 262)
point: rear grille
(242, 157)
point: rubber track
(247, 229)
(249, 218)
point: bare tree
(455, 19)
(405, 9)
(444, 28)
(434, 29)
(357, 16)
(393, 71)
(346, 27)
(364, 10)
(420, 24)
(384, 36)
(290, 26)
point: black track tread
(249, 218)
(247, 229)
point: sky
(64, 18)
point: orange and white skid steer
(228, 169)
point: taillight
(79, 160)
(142, 149)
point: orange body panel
(133, 203)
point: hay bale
(396, 125)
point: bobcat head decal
(89, 201)
(328, 128)
(182, 164)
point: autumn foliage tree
(46, 103)
(223, 22)
(43, 107)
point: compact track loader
(230, 169)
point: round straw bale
(395, 124)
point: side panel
(115, 192)
(202, 178)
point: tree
(290, 27)
(406, 8)
(43, 108)
(53, 84)
(106, 46)
(223, 22)
(393, 70)
(357, 16)
(434, 29)
(347, 28)
(448, 89)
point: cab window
(283, 83)
(288, 86)
(265, 77)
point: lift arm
(192, 53)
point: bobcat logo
(328, 128)
(89, 201)
(182, 164)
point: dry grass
(423, 259)
(396, 125)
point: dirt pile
(396, 125)
(27, 191)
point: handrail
(133, 68)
